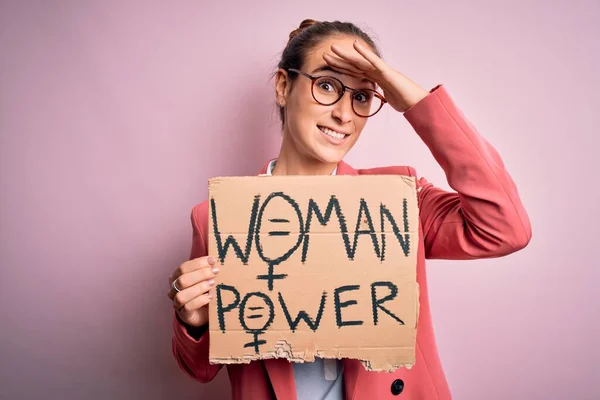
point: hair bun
(303, 25)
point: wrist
(415, 98)
(195, 332)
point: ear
(282, 87)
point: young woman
(325, 88)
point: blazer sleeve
(485, 217)
(192, 353)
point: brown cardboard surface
(297, 285)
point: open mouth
(333, 134)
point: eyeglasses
(327, 90)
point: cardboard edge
(392, 368)
(368, 365)
(418, 304)
(409, 180)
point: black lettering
(313, 207)
(377, 303)
(334, 205)
(268, 303)
(231, 241)
(364, 209)
(339, 305)
(222, 310)
(256, 342)
(270, 276)
(403, 240)
(302, 315)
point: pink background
(113, 115)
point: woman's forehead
(345, 42)
(315, 63)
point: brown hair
(307, 36)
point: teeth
(331, 133)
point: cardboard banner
(314, 266)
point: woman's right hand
(193, 278)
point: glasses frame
(314, 78)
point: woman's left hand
(400, 92)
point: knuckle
(181, 282)
(203, 262)
(205, 286)
(182, 268)
(192, 265)
(200, 302)
(176, 273)
(208, 274)
(199, 261)
(177, 300)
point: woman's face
(308, 124)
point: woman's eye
(361, 97)
(327, 86)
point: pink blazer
(484, 219)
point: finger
(354, 58)
(369, 55)
(342, 65)
(192, 265)
(191, 279)
(195, 304)
(185, 296)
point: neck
(291, 162)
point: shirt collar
(274, 161)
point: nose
(342, 110)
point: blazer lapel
(345, 169)
(264, 168)
(352, 369)
(281, 376)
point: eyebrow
(328, 68)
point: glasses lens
(365, 102)
(327, 90)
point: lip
(335, 130)
(333, 140)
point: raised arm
(485, 218)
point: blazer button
(397, 387)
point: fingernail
(215, 271)
(211, 260)
(209, 296)
(211, 283)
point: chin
(329, 156)
(331, 150)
